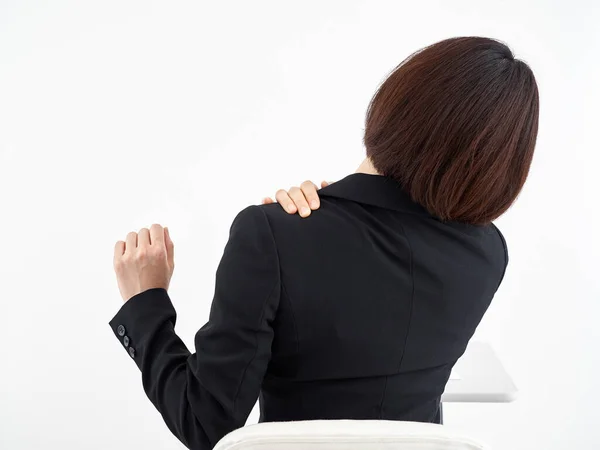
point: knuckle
(307, 185)
(294, 190)
(121, 263)
(159, 251)
(141, 255)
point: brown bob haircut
(456, 124)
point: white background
(118, 114)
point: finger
(324, 184)
(285, 201)
(309, 189)
(157, 235)
(131, 242)
(143, 238)
(299, 200)
(170, 247)
(267, 201)
(119, 250)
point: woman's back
(361, 310)
(378, 301)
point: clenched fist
(144, 261)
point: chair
(348, 435)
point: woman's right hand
(302, 199)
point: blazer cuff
(140, 318)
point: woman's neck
(367, 167)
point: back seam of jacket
(291, 305)
(265, 302)
(383, 398)
(412, 297)
(284, 291)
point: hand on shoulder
(301, 199)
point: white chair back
(348, 435)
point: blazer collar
(385, 192)
(374, 190)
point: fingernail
(305, 211)
(314, 204)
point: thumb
(170, 247)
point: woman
(361, 310)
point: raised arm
(204, 395)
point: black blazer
(356, 312)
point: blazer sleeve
(202, 396)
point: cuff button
(126, 341)
(121, 330)
(132, 352)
